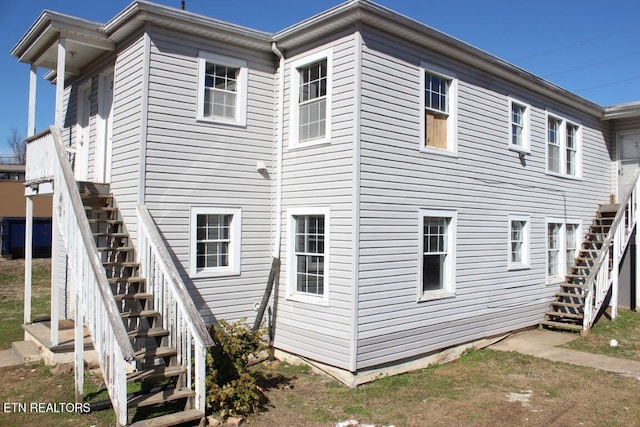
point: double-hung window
(563, 147)
(518, 242)
(563, 242)
(438, 109)
(311, 99)
(222, 89)
(437, 253)
(519, 126)
(215, 241)
(308, 254)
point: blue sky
(589, 47)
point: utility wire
(608, 84)
(592, 64)
(581, 42)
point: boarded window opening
(435, 130)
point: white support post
(79, 348)
(615, 271)
(62, 43)
(31, 122)
(55, 276)
(28, 259)
(636, 267)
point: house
(422, 195)
(13, 215)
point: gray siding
(127, 124)
(484, 184)
(322, 176)
(191, 163)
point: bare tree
(18, 147)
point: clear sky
(590, 47)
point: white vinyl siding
(222, 89)
(311, 97)
(483, 183)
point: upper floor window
(563, 146)
(311, 99)
(439, 109)
(215, 241)
(222, 89)
(519, 126)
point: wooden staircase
(163, 380)
(567, 311)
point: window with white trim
(563, 243)
(308, 254)
(437, 254)
(518, 242)
(563, 146)
(310, 105)
(215, 241)
(438, 113)
(519, 126)
(222, 89)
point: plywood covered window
(438, 109)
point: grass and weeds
(12, 297)
(625, 330)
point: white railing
(93, 293)
(40, 156)
(188, 333)
(604, 274)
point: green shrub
(231, 388)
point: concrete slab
(8, 358)
(546, 344)
(26, 351)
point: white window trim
(291, 289)
(452, 120)
(294, 111)
(241, 94)
(526, 244)
(562, 261)
(526, 128)
(233, 269)
(449, 288)
(563, 146)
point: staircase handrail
(173, 301)
(604, 252)
(109, 335)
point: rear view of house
(420, 194)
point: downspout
(279, 150)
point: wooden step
(93, 188)
(116, 249)
(569, 295)
(155, 353)
(125, 264)
(135, 296)
(567, 304)
(609, 208)
(564, 315)
(148, 333)
(143, 313)
(107, 221)
(562, 325)
(159, 397)
(155, 373)
(132, 279)
(574, 286)
(169, 420)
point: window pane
(213, 234)
(220, 87)
(436, 89)
(553, 251)
(433, 268)
(435, 256)
(309, 251)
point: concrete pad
(9, 358)
(546, 344)
(26, 351)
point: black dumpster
(13, 229)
